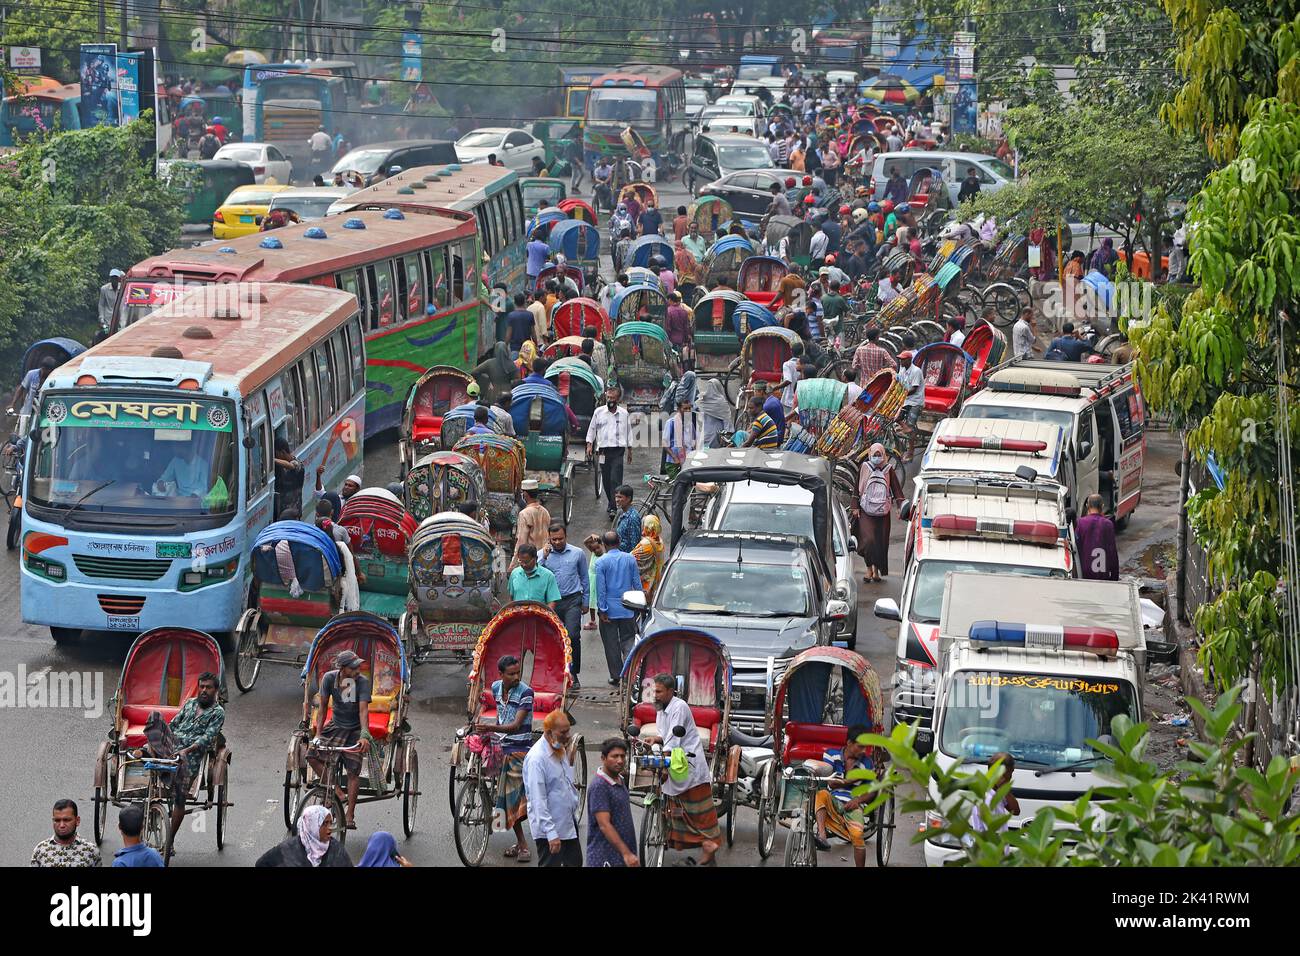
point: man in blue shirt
(628, 523)
(569, 565)
(552, 796)
(537, 250)
(538, 375)
(519, 325)
(514, 730)
(616, 573)
(134, 852)
(651, 222)
(1068, 346)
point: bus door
(258, 473)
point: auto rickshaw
(577, 241)
(434, 393)
(642, 303)
(379, 533)
(570, 317)
(446, 481)
(205, 184)
(716, 343)
(456, 588)
(722, 261)
(644, 364)
(501, 458)
(760, 279)
(711, 214)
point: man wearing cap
(108, 297)
(534, 520)
(351, 485)
(912, 379)
(345, 695)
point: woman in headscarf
(312, 845)
(381, 850)
(496, 374)
(527, 355)
(1103, 260)
(649, 554)
(878, 488)
(714, 410)
(619, 220)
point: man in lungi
(514, 724)
(692, 818)
(837, 809)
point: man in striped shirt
(870, 358)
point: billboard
(99, 94)
(25, 59)
(412, 52)
(128, 86)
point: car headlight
(914, 677)
(935, 822)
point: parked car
(993, 172)
(513, 147)
(242, 212)
(268, 163)
(380, 160)
(716, 156)
(739, 125)
(310, 202)
(749, 105)
(748, 191)
(787, 509)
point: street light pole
(122, 46)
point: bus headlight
(192, 580)
(46, 568)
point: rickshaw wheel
(331, 802)
(101, 814)
(292, 794)
(767, 810)
(580, 775)
(568, 502)
(729, 802)
(247, 664)
(410, 791)
(653, 837)
(884, 831)
(223, 795)
(799, 848)
(157, 829)
(472, 822)
(407, 630)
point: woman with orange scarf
(649, 554)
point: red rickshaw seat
(940, 399)
(427, 429)
(708, 720)
(134, 717)
(543, 704)
(810, 741)
(763, 298)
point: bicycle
(473, 803)
(656, 500)
(324, 790)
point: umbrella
(888, 88)
(242, 58)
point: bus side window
(514, 226)
(353, 282)
(342, 368)
(415, 295)
(458, 272)
(357, 356)
(293, 415)
(517, 200)
(439, 266)
(257, 459)
(499, 221)
(379, 279)
(484, 236)
(310, 410)
(328, 400)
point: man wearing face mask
(552, 796)
(609, 436)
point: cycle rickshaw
(577, 240)
(760, 278)
(534, 634)
(501, 458)
(644, 363)
(638, 302)
(702, 666)
(946, 369)
(543, 426)
(711, 214)
(446, 481)
(544, 221)
(578, 209)
(643, 250)
(564, 275)
(433, 395)
(797, 233)
(717, 346)
(986, 346)
(279, 627)
(822, 692)
(460, 420)
(391, 766)
(160, 673)
(722, 261)
(379, 530)
(570, 317)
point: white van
(1100, 409)
(1036, 669)
(979, 523)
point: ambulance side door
(1087, 456)
(1130, 419)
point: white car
(310, 202)
(734, 123)
(751, 105)
(513, 147)
(269, 164)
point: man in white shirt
(955, 335)
(790, 375)
(911, 378)
(552, 796)
(695, 822)
(817, 246)
(1023, 335)
(609, 436)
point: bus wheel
(65, 635)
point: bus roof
(50, 91)
(449, 187)
(302, 258)
(245, 352)
(638, 74)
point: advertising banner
(128, 86)
(99, 96)
(412, 51)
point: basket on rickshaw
(391, 766)
(702, 668)
(501, 458)
(578, 209)
(577, 240)
(797, 234)
(455, 588)
(760, 278)
(644, 363)
(643, 251)
(542, 424)
(570, 317)
(711, 214)
(279, 626)
(433, 395)
(379, 531)
(161, 672)
(822, 692)
(639, 302)
(532, 634)
(716, 343)
(722, 261)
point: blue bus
(151, 467)
(256, 74)
(45, 105)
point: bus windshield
(622, 106)
(168, 454)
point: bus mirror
(250, 441)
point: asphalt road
(49, 753)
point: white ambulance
(1036, 669)
(1101, 410)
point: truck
(1035, 668)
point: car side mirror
(394, 170)
(836, 610)
(887, 609)
(635, 601)
(853, 542)
(1085, 449)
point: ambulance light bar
(1027, 532)
(1099, 640)
(992, 443)
(1031, 388)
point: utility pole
(103, 23)
(121, 48)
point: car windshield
(743, 588)
(364, 161)
(927, 592)
(539, 195)
(773, 518)
(622, 105)
(307, 207)
(250, 197)
(480, 139)
(1043, 720)
(999, 167)
(240, 154)
(744, 157)
(744, 106)
(695, 96)
(724, 109)
(754, 71)
(169, 454)
(1022, 413)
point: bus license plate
(118, 623)
(245, 218)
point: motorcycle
(11, 456)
